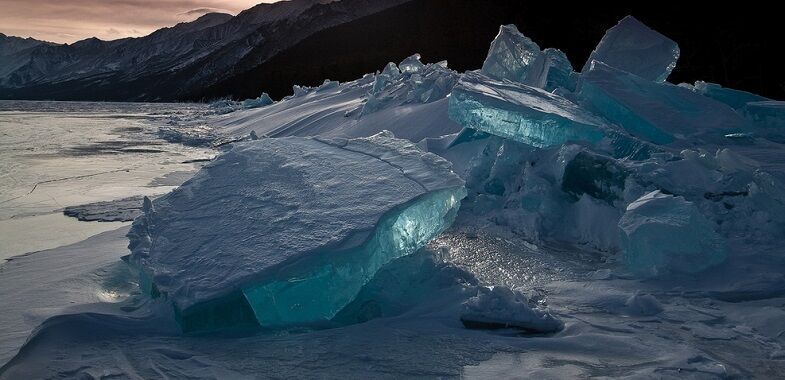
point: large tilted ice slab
(663, 233)
(286, 231)
(635, 48)
(519, 112)
(532, 116)
(656, 112)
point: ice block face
(633, 47)
(519, 112)
(411, 65)
(656, 112)
(736, 99)
(767, 113)
(558, 72)
(664, 234)
(599, 177)
(286, 231)
(514, 57)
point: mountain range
(171, 63)
(270, 47)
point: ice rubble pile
(409, 82)
(226, 105)
(614, 157)
(278, 232)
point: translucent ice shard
(656, 112)
(411, 65)
(391, 70)
(558, 72)
(662, 233)
(519, 112)
(515, 57)
(286, 231)
(261, 101)
(736, 99)
(635, 48)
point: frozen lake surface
(59, 154)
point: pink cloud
(69, 21)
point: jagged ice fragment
(411, 65)
(514, 57)
(635, 48)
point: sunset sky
(66, 21)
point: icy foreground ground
(614, 226)
(54, 155)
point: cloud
(68, 21)
(203, 11)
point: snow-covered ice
(327, 214)
(501, 307)
(662, 233)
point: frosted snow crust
(284, 231)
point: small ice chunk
(736, 99)
(635, 48)
(656, 112)
(391, 70)
(411, 65)
(643, 305)
(261, 101)
(519, 112)
(501, 307)
(663, 233)
(286, 231)
(514, 57)
(328, 85)
(298, 90)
